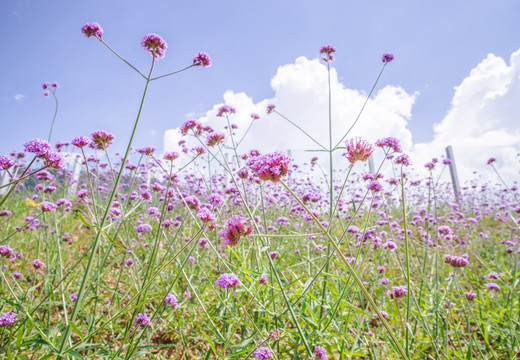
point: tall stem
(79, 299)
(55, 114)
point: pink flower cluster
(358, 150)
(236, 229)
(155, 45)
(227, 281)
(456, 261)
(270, 167)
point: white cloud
(19, 97)
(482, 121)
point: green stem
(78, 302)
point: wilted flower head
(92, 29)
(155, 45)
(270, 108)
(270, 166)
(386, 58)
(225, 110)
(263, 353)
(227, 281)
(358, 150)
(202, 59)
(236, 228)
(328, 53)
(101, 139)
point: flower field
(209, 252)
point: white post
(75, 177)
(454, 176)
(4, 179)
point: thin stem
(303, 131)
(173, 73)
(55, 114)
(126, 62)
(86, 274)
(363, 107)
(407, 260)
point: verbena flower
(142, 320)
(492, 286)
(320, 353)
(101, 139)
(358, 150)
(214, 139)
(37, 264)
(397, 292)
(8, 318)
(403, 160)
(202, 59)
(389, 142)
(37, 146)
(81, 141)
(263, 353)
(236, 228)
(172, 300)
(147, 150)
(386, 58)
(225, 110)
(227, 281)
(92, 29)
(6, 162)
(328, 53)
(74, 296)
(470, 295)
(270, 167)
(155, 45)
(270, 108)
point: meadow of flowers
(210, 253)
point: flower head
(263, 353)
(386, 58)
(328, 53)
(470, 295)
(358, 150)
(37, 263)
(81, 141)
(8, 318)
(397, 292)
(215, 138)
(403, 160)
(5, 162)
(172, 300)
(320, 353)
(227, 281)
(202, 59)
(142, 320)
(236, 228)
(101, 139)
(389, 142)
(270, 108)
(147, 150)
(170, 156)
(92, 29)
(270, 166)
(155, 45)
(491, 160)
(37, 146)
(226, 110)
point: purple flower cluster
(386, 58)
(142, 320)
(155, 45)
(320, 353)
(202, 59)
(271, 167)
(328, 53)
(172, 300)
(456, 261)
(236, 228)
(226, 110)
(227, 281)
(397, 292)
(6, 162)
(389, 142)
(92, 29)
(263, 353)
(101, 139)
(8, 318)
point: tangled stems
(77, 303)
(352, 272)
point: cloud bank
(482, 120)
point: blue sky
(436, 44)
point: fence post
(4, 179)
(371, 167)
(454, 177)
(75, 177)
